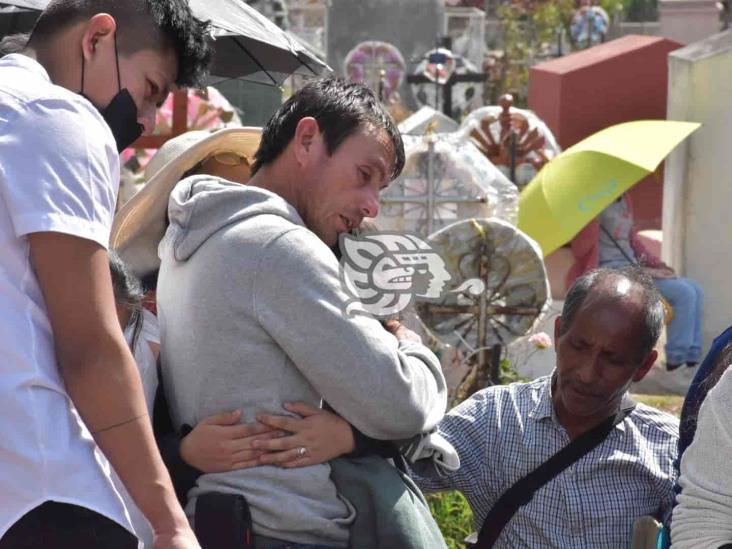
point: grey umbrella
(14, 19)
(247, 45)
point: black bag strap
(523, 490)
(618, 246)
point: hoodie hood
(202, 205)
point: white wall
(697, 218)
(687, 21)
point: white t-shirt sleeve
(60, 171)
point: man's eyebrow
(379, 164)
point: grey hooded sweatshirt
(251, 315)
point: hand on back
(220, 443)
(315, 437)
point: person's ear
(98, 30)
(646, 366)
(557, 329)
(305, 140)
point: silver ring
(301, 451)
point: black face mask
(121, 113)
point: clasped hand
(220, 443)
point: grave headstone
(412, 26)
(687, 21)
(426, 119)
(307, 20)
(466, 29)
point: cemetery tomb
(445, 179)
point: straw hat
(140, 225)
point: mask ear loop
(116, 58)
(82, 71)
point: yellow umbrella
(573, 188)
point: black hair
(150, 280)
(340, 108)
(128, 293)
(653, 313)
(141, 24)
(13, 43)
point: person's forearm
(182, 474)
(100, 374)
(107, 392)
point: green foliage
(530, 30)
(616, 7)
(453, 516)
(472, 381)
(667, 403)
(509, 374)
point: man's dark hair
(340, 108)
(653, 313)
(141, 24)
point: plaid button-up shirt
(503, 433)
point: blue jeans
(683, 335)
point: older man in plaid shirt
(604, 341)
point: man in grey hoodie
(252, 309)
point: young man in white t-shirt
(85, 87)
